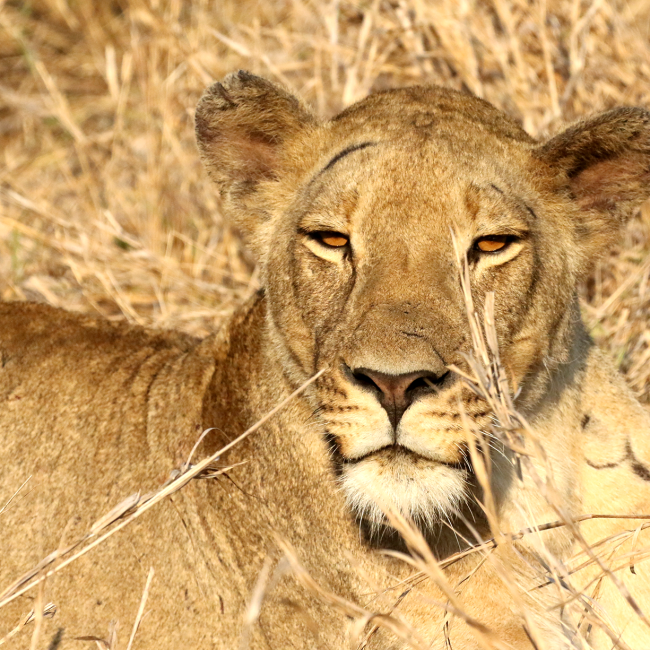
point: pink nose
(397, 392)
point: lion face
(365, 281)
(353, 219)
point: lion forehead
(427, 108)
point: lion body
(93, 411)
(206, 558)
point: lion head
(351, 220)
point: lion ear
(243, 126)
(605, 163)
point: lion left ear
(243, 128)
(606, 166)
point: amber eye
(331, 239)
(493, 243)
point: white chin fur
(424, 491)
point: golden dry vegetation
(104, 206)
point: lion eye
(331, 239)
(493, 243)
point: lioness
(351, 220)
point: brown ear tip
(235, 88)
(219, 91)
(631, 111)
(243, 79)
(246, 76)
(215, 97)
(224, 94)
(635, 121)
(629, 117)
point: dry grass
(104, 206)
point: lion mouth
(397, 454)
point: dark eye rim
(507, 240)
(319, 235)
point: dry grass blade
(140, 614)
(38, 616)
(110, 643)
(488, 379)
(493, 543)
(423, 559)
(14, 495)
(394, 625)
(47, 612)
(255, 603)
(115, 513)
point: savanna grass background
(104, 206)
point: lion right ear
(604, 164)
(243, 127)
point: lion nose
(397, 392)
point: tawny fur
(94, 411)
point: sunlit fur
(94, 411)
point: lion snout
(396, 392)
(414, 411)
